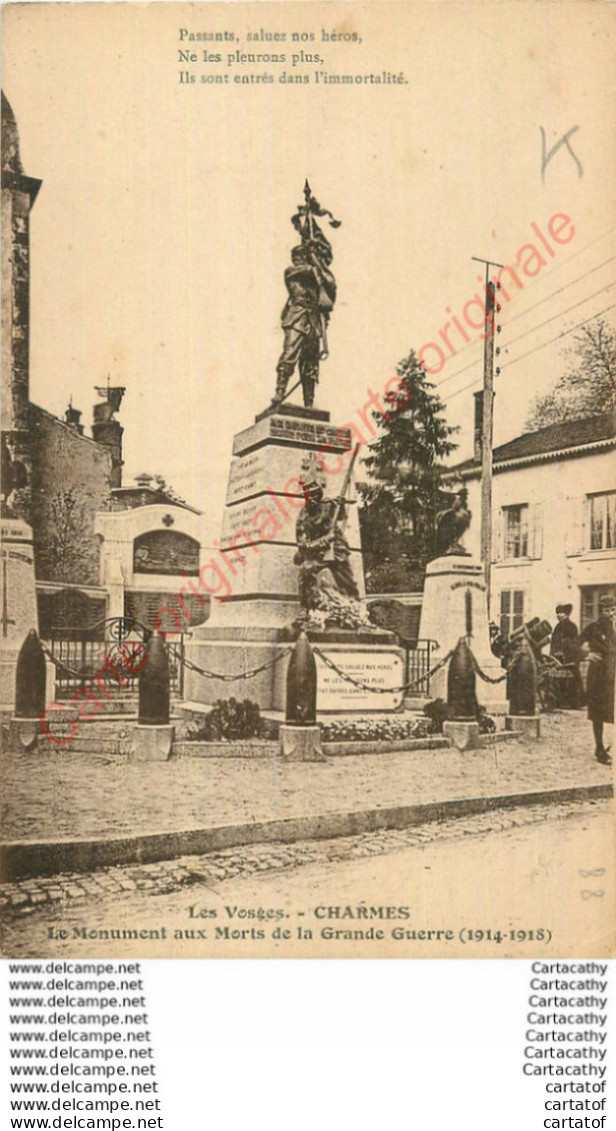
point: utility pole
(487, 428)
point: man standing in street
(598, 642)
(565, 647)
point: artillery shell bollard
(523, 717)
(153, 736)
(462, 726)
(300, 734)
(30, 680)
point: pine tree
(402, 496)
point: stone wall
(18, 195)
(71, 482)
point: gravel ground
(56, 794)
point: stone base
(443, 619)
(253, 575)
(494, 706)
(151, 743)
(370, 658)
(528, 725)
(296, 410)
(19, 600)
(23, 734)
(232, 657)
(301, 744)
(464, 735)
(8, 666)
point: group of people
(595, 644)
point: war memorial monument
(290, 544)
(290, 551)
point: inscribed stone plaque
(374, 669)
(247, 476)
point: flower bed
(395, 729)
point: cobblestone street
(58, 794)
(24, 898)
(542, 868)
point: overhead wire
(514, 360)
(522, 313)
(532, 329)
(561, 313)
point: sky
(161, 232)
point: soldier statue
(311, 289)
(323, 553)
(326, 580)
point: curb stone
(59, 894)
(23, 860)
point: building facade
(101, 549)
(554, 520)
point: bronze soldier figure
(322, 550)
(311, 290)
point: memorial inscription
(379, 670)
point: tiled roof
(550, 441)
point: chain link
(488, 679)
(226, 678)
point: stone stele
(444, 619)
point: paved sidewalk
(56, 893)
(58, 795)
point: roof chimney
(108, 431)
(72, 417)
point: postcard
(308, 508)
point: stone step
(115, 706)
(108, 737)
(103, 735)
(116, 747)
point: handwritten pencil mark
(564, 140)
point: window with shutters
(516, 531)
(603, 521)
(577, 538)
(511, 610)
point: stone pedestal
(464, 735)
(152, 743)
(252, 576)
(18, 612)
(444, 614)
(527, 725)
(301, 744)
